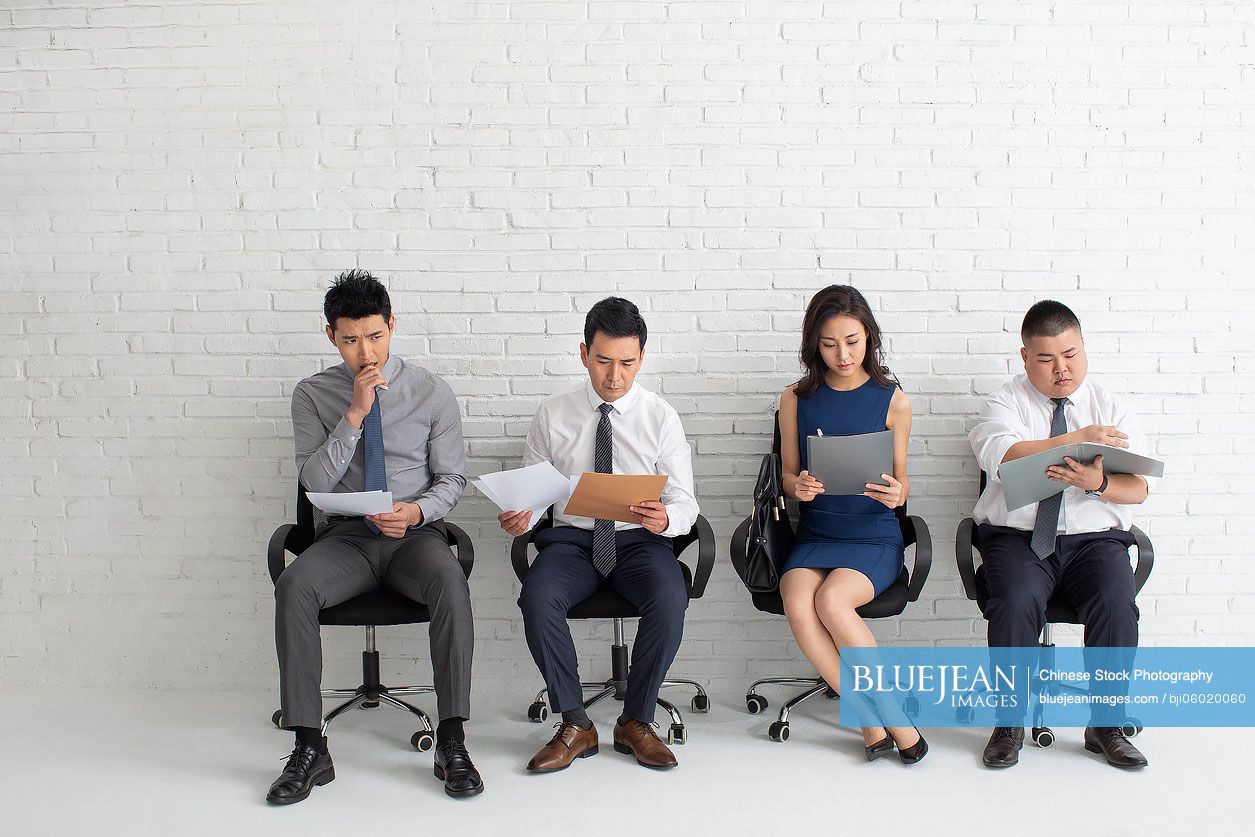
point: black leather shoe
(454, 767)
(1110, 741)
(306, 768)
(1003, 749)
(914, 753)
(879, 750)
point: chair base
(616, 687)
(371, 694)
(756, 703)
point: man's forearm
(1125, 489)
(1022, 449)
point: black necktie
(603, 462)
(1046, 527)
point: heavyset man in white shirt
(608, 424)
(1075, 544)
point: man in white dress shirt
(1075, 543)
(609, 424)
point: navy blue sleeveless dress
(854, 532)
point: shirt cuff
(346, 434)
(999, 450)
(428, 508)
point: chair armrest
(460, 542)
(518, 547)
(275, 561)
(1145, 558)
(737, 546)
(705, 556)
(923, 557)
(964, 556)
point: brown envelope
(607, 496)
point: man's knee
(1017, 603)
(666, 605)
(539, 600)
(295, 588)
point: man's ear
(392, 324)
(584, 355)
(1024, 357)
(331, 335)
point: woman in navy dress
(848, 549)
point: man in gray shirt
(374, 422)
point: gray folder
(845, 464)
(1024, 480)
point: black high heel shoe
(916, 752)
(880, 749)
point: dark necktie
(603, 462)
(1046, 527)
(372, 438)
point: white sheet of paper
(352, 502)
(536, 487)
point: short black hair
(614, 316)
(356, 294)
(1048, 319)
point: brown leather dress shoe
(1111, 743)
(637, 738)
(569, 743)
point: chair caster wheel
(1131, 727)
(537, 713)
(778, 731)
(277, 718)
(831, 693)
(677, 734)
(701, 703)
(1043, 736)
(755, 704)
(370, 704)
(422, 741)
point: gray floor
(107, 763)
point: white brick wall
(180, 178)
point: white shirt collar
(1048, 402)
(621, 405)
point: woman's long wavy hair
(833, 301)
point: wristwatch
(1097, 492)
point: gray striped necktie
(603, 462)
(372, 438)
(1046, 527)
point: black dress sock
(623, 719)
(578, 717)
(450, 729)
(310, 737)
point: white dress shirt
(648, 439)
(1019, 413)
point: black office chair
(607, 604)
(891, 602)
(378, 607)
(1058, 611)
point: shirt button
(341, 461)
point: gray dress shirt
(422, 436)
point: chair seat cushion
(607, 604)
(889, 603)
(1058, 609)
(378, 607)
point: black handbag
(771, 532)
